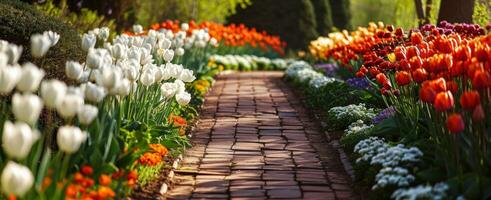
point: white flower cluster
(353, 111)
(248, 61)
(393, 160)
(369, 148)
(436, 192)
(396, 155)
(396, 176)
(302, 71)
(357, 128)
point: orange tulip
(469, 100)
(402, 78)
(427, 94)
(478, 113)
(444, 101)
(420, 75)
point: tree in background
(456, 11)
(341, 14)
(322, 9)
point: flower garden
(91, 109)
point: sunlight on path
(254, 140)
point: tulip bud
(184, 26)
(455, 123)
(16, 179)
(52, 36)
(53, 92)
(87, 114)
(9, 77)
(94, 93)
(74, 70)
(180, 51)
(95, 58)
(30, 78)
(187, 75)
(168, 55)
(137, 28)
(119, 51)
(213, 42)
(69, 138)
(165, 43)
(183, 98)
(18, 138)
(88, 41)
(40, 45)
(69, 106)
(26, 107)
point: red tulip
(444, 101)
(416, 37)
(359, 74)
(403, 78)
(439, 85)
(420, 75)
(452, 86)
(412, 51)
(381, 78)
(481, 79)
(427, 94)
(469, 100)
(373, 71)
(478, 113)
(455, 123)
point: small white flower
(53, 92)
(184, 26)
(88, 41)
(16, 179)
(108, 78)
(70, 105)
(94, 93)
(13, 53)
(103, 33)
(26, 107)
(183, 98)
(119, 51)
(40, 45)
(168, 55)
(30, 78)
(168, 90)
(69, 138)
(74, 70)
(87, 113)
(18, 138)
(147, 78)
(52, 36)
(180, 51)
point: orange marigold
(161, 149)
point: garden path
(255, 140)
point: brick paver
(255, 140)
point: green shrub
(18, 21)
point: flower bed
(417, 121)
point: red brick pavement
(255, 140)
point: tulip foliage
(438, 79)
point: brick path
(254, 140)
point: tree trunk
(419, 11)
(429, 6)
(456, 11)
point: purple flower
(328, 68)
(359, 83)
(384, 114)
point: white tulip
(134, 54)
(131, 72)
(53, 92)
(85, 76)
(146, 56)
(4, 59)
(52, 36)
(119, 51)
(18, 138)
(88, 41)
(180, 85)
(74, 70)
(165, 43)
(13, 53)
(95, 59)
(3, 45)
(168, 55)
(26, 107)
(108, 77)
(40, 45)
(180, 51)
(87, 114)
(16, 179)
(124, 88)
(75, 91)
(213, 42)
(164, 73)
(30, 78)
(201, 43)
(147, 78)
(103, 33)
(9, 77)
(187, 76)
(69, 138)
(184, 26)
(183, 98)
(168, 90)
(69, 106)
(174, 70)
(137, 28)
(94, 93)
